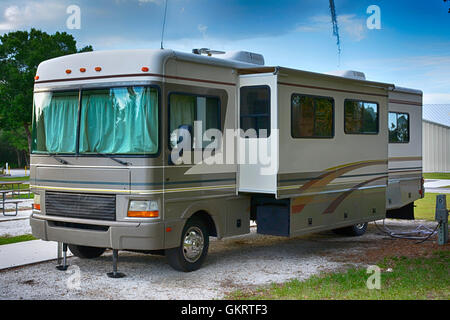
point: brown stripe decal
(137, 75)
(411, 103)
(405, 159)
(299, 203)
(331, 89)
(332, 207)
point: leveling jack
(115, 274)
(64, 266)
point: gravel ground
(15, 227)
(234, 263)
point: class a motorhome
(295, 151)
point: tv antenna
(335, 28)
(164, 25)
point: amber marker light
(145, 69)
(36, 78)
(83, 70)
(143, 209)
(68, 71)
(98, 69)
(37, 202)
(143, 214)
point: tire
(352, 231)
(190, 255)
(85, 252)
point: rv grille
(82, 206)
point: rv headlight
(143, 209)
(37, 202)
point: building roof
(437, 113)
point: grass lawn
(15, 178)
(426, 207)
(442, 175)
(410, 278)
(9, 240)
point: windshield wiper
(62, 161)
(114, 159)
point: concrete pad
(436, 183)
(27, 252)
(21, 215)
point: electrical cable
(421, 232)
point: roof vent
(352, 74)
(242, 56)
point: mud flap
(405, 213)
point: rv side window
(398, 127)
(197, 114)
(311, 117)
(255, 111)
(361, 117)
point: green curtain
(182, 111)
(119, 121)
(55, 122)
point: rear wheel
(190, 255)
(85, 252)
(352, 231)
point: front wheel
(352, 231)
(194, 247)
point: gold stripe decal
(300, 203)
(332, 207)
(161, 191)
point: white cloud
(353, 26)
(203, 29)
(436, 98)
(349, 24)
(32, 14)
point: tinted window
(255, 109)
(312, 117)
(398, 127)
(186, 109)
(361, 117)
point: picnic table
(10, 186)
(10, 189)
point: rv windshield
(55, 122)
(121, 120)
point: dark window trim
(409, 127)
(116, 155)
(378, 117)
(219, 114)
(261, 115)
(332, 115)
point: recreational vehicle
(158, 150)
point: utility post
(441, 216)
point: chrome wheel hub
(360, 226)
(193, 244)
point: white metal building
(436, 138)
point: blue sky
(411, 49)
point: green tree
(20, 54)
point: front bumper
(114, 235)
